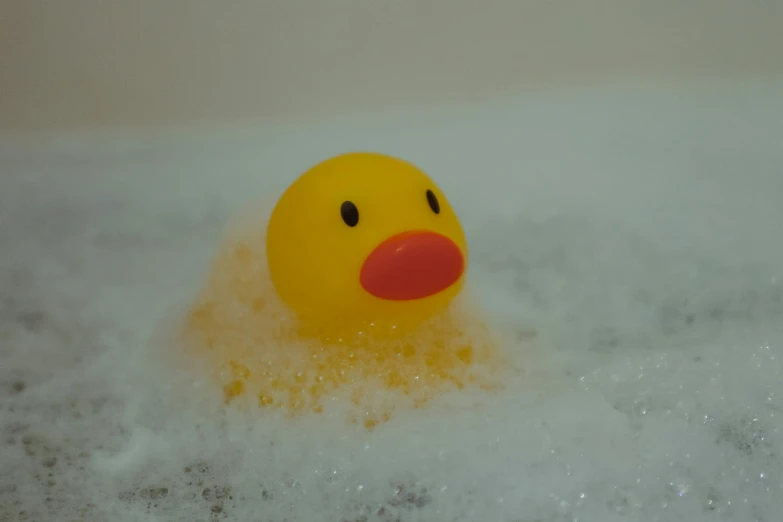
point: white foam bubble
(628, 239)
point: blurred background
(84, 64)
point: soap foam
(627, 241)
(259, 351)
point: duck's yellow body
(349, 293)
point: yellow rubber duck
(350, 292)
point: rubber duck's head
(365, 238)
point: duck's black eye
(350, 213)
(433, 201)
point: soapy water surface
(627, 241)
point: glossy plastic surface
(400, 261)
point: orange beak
(412, 265)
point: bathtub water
(629, 239)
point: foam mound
(255, 345)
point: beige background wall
(80, 63)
